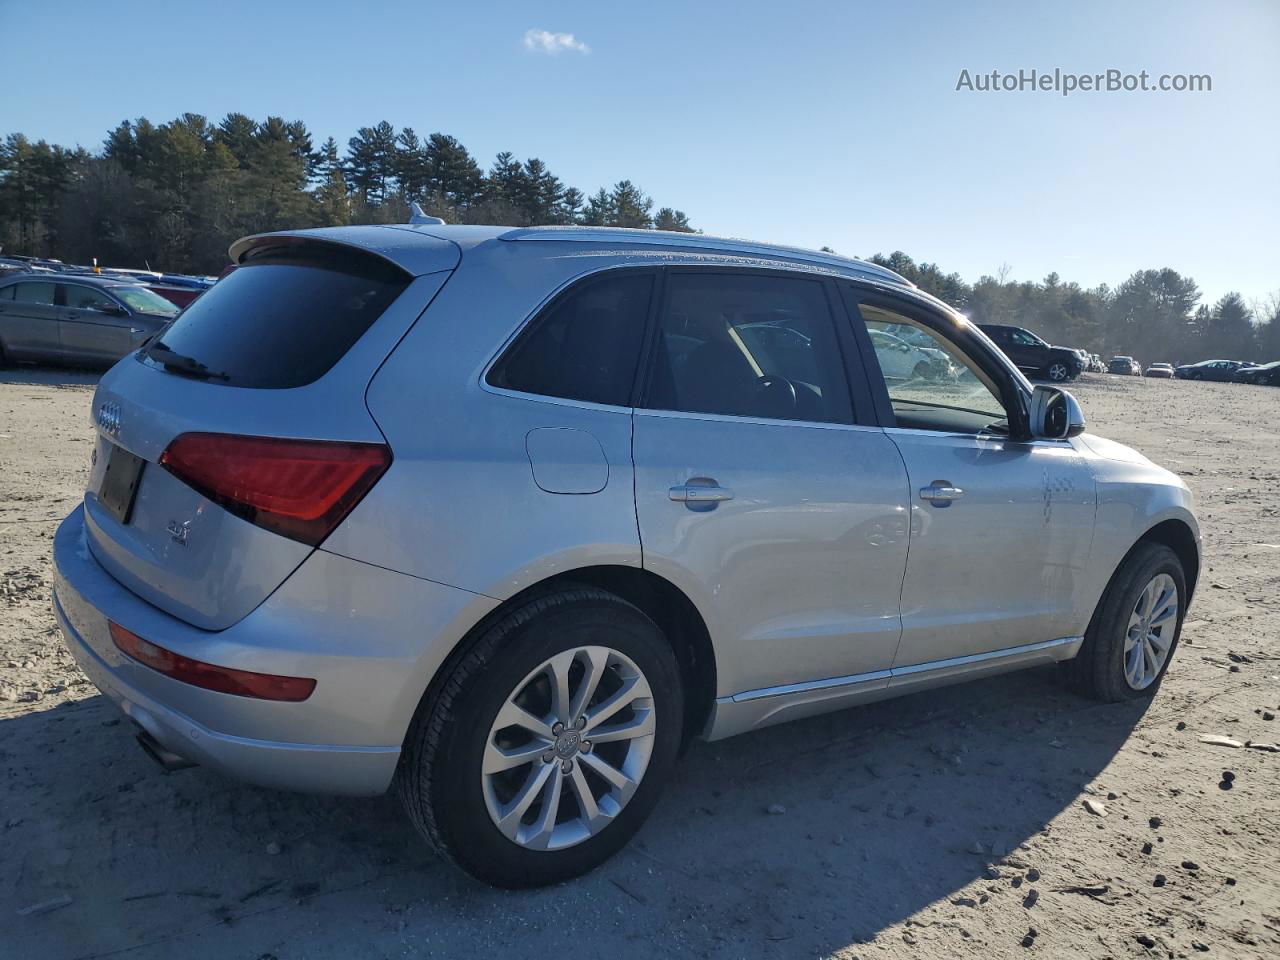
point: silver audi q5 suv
(503, 517)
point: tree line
(176, 194)
(1154, 315)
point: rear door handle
(941, 493)
(705, 492)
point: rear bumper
(288, 766)
(372, 638)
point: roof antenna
(419, 216)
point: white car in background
(903, 360)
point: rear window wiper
(180, 363)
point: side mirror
(1055, 414)
(113, 310)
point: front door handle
(941, 493)
(707, 491)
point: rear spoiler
(414, 252)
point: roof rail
(698, 241)
(418, 216)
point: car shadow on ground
(877, 812)
(50, 376)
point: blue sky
(804, 123)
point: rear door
(29, 322)
(758, 491)
(1000, 529)
(93, 327)
(284, 348)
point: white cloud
(544, 41)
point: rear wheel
(1134, 632)
(547, 746)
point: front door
(756, 491)
(94, 328)
(1000, 529)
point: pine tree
(630, 206)
(599, 211)
(669, 219)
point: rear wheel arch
(659, 599)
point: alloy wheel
(568, 748)
(1058, 372)
(1149, 635)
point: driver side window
(749, 345)
(932, 383)
(83, 298)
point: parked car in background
(1222, 371)
(902, 360)
(76, 319)
(1125, 366)
(1162, 370)
(1033, 355)
(1267, 374)
(1097, 364)
(701, 503)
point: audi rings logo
(108, 418)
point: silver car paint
(492, 491)
(226, 565)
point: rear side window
(749, 346)
(586, 346)
(282, 320)
(34, 293)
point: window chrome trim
(759, 421)
(858, 678)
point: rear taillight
(242, 683)
(298, 488)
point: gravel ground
(948, 824)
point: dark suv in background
(1033, 355)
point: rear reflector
(300, 489)
(242, 683)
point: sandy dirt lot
(948, 824)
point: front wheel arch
(1178, 536)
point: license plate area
(120, 482)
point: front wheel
(547, 746)
(1134, 632)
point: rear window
(282, 320)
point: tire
(1099, 670)
(1057, 372)
(922, 371)
(442, 779)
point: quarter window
(586, 346)
(749, 346)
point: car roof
(416, 247)
(90, 279)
